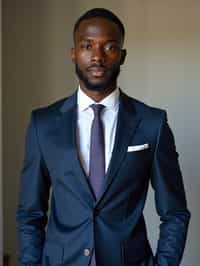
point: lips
(97, 71)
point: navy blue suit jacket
(114, 224)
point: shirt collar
(111, 101)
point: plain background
(1, 197)
(162, 69)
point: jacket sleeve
(169, 198)
(33, 200)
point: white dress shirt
(85, 117)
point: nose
(98, 54)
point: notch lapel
(128, 121)
(78, 182)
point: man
(98, 150)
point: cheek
(82, 58)
(113, 60)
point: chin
(98, 86)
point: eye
(86, 46)
(112, 48)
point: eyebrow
(88, 39)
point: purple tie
(97, 157)
(97, 151)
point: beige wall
(1, 197)
(162, 68)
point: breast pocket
(138, 163)
(137, 152)
(52, 254)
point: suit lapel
(67, 138)
(128, 121)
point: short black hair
(101, 13)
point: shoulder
(49, 110)
(145, 111)
(52, 111)
(153, 120)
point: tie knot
(97, 108)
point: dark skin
(97, 49)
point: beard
(100, 86)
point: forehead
(98, 28)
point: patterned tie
(97, 151)
(97, 157)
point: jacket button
(86, 252)
(96, 211)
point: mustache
(98, 67)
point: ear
(73, 56)
(123, 56)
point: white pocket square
(138, 147)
